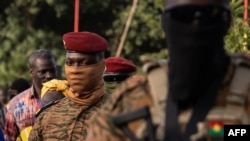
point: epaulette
(45, 107)
(151, 65)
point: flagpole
(245, 15)
(126, 29)
(245, 23)
(76, 16)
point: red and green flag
(216, 128)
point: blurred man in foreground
(204, 86)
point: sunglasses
(203, 14)
(115, 78)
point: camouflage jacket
(231, 106)
(129, 96)
(63, 121)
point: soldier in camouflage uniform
(135, 98)
(67, 119)
(206, 88)
(118, 69)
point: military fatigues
(231, 107)
(131, 95)
(232, 104)
(64, 121)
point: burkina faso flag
(215, 128)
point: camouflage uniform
(64, 121)
(132, 94)
(232, 104)
(137, 92)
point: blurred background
(134, 26)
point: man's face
(43, 71)
(80, 59)
(84, 71)
(195, 32)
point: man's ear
(31, 72)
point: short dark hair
(41, 53)
(20, 84)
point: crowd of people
(34, 107)
(180, 98)
(6, 94)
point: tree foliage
(27, 25)
(145, 34)
(237, 39)
(19, 37)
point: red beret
(119, 65)
(85, 42)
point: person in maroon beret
(67, 118)
(117, 70)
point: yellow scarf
(56, 85)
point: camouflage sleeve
(36, 132)
(128, 96)
(101, 129)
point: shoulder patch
(45, 107)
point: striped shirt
(20, 113)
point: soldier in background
(118, 69)
(120, 119)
